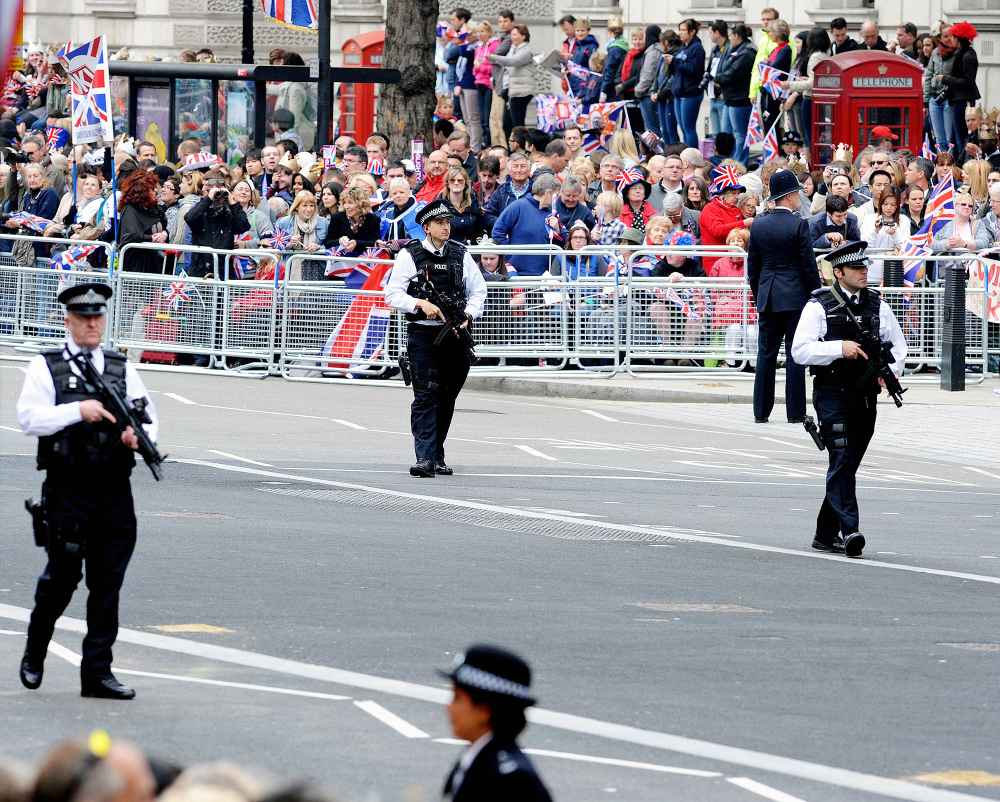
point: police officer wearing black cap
(439, 371)
(86, 494)
(845, 385)
(491, 692)
(781, 269)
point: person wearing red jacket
(721, 215)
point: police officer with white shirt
(846, 384)
(87, 496)
(439, 371)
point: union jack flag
(771, 78)
(771, 150)
(940, 209)
(74, 256)
(87, 66)
(629, 176)
(376, 167)
(684, 304)
(600, 123)
(30, 221)
(243, 266)
(755, 128)
(176, 292)
(724, 177)
(34, 86)
(280, 239)
(56, 137)
(584, 79)
(293, 13)
(926, 151)
(555, 113)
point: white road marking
(10, 632)
(570, 513)
(600, 416)
(987, 557)
(892, 513)
(536, 453)
(182, 399)
(830, 775)
(11, 429)
(240, 459)
(782, 442)
(390, 719)
(603, 761)
(980, 470)
(607, 525)
(760, 789)
(983, 516)
(349, 424)
(73, 658)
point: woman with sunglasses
(962, 233)
(466, 216)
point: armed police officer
(847, 334)
(86, 515)
(441, 290)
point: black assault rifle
(125, 414)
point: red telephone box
(854, 92)
(358, 101)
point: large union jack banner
(87, 66)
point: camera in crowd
(10, 155)
(220, 196)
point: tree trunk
(406, 109)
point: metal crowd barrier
(317, 329)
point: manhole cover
(974, 647)
(684, 607)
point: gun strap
(842, 301)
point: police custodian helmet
(89, 299)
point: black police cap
(496, 672)
(432, 211)
(89, 298)
(850, 254)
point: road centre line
(600, 416)
(536, 453)
(390, 719)
(829, 775)
(181, 399)
(349, 424)
(718, 541)
(11, 429)
(240, 459)
(760, 789)
(603, 761)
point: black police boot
(106, 687)
(423, 469)
(835, 546)
(441, 468)
(853, 544)
(31, 671)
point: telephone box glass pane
(193, 116)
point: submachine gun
(453, 315)
(126, 414)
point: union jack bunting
(629, 176)
(176, 292)
(56, 137)
(72, 257)
(771, 78)
(87, 66)
(293, 13)
(600, 124)
(755, 128)
(724, 177)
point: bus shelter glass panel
(236, 115)
(193, 115)
(152, 117)
(119, 103)
(299, 98)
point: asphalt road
(651, 560)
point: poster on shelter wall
(152, 117)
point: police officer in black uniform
(846, 384)
(491, 692)
(87, 497)
(439, 371)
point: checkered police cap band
(482, 680)
(853, 258)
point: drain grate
(487, 519)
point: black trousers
(771, 328)
(515, 111)
(103, 520)
(439, 371)
(847, 424)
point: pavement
(294, 589)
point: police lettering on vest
(444, 272)
(84, 445)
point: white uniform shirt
(38, 413)
(809, 347)
(404, 269)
